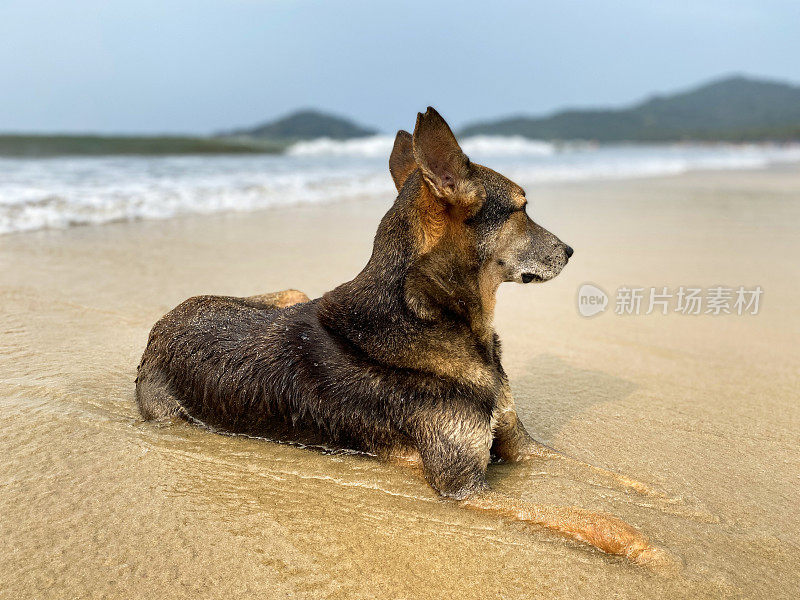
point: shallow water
(96, 503)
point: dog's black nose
(569, 250)
(527, 277)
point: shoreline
(368, 198)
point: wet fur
(361, 367)
(401, 360)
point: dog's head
(486, 211)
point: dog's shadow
(551, 397)
(550, 393)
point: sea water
(42, 193)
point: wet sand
(96, 503)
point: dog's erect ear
(401, 161)
(444, 166)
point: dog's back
(240, 366)
(206, 357)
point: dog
(400, 362)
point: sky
(201, 66)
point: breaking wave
(381, 146)
(38, 193)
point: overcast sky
(198, 66)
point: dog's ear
(401, 161)
(444, 166)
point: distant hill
(305, 125)
(730, 109)
(20, 145)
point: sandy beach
(96, 503)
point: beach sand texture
(96, 503)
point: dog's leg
(155, 396)
(513, 443)
(455, 455)
(280, 299)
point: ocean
(45, 193)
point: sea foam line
(62, 192)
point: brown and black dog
(403, 360)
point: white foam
(60, 192)
(56, 193)
(624, 162)
(373, 146)
(492, 145)
(381, 146)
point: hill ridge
(731, 108)
(305, 124)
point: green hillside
(305, 125)
(88, 145)
(731, 109)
